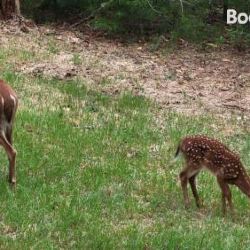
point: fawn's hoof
(199, 204)
(12, 182)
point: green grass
(94, 173)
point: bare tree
(9, 8)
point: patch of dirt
(185, 80)
(60, 67)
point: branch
(152, 7)
(92, 15)
(161, 13)
(181, 6)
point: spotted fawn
(203, 152)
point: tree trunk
(9, 8)
(225, 7)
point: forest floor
(185, 79)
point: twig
(92, 15)
(152, 7)
(159, 12)
(181, 6)
(234, 106)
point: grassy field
(94, 172)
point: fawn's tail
(177, 151)
(173, 161)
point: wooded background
(191, 20)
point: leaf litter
(186, 80)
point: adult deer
(203, 152)
(8, 107)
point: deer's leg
(9, 134)
(194, 190)
(8, 128)
(12, 158)
(11, 152)
(226, 195)
(184, 182)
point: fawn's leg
(226, 195)
(184, 182)
(243, 184)
(191, 170)
(194, 190)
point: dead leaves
(185, 80)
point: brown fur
(8, 107)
